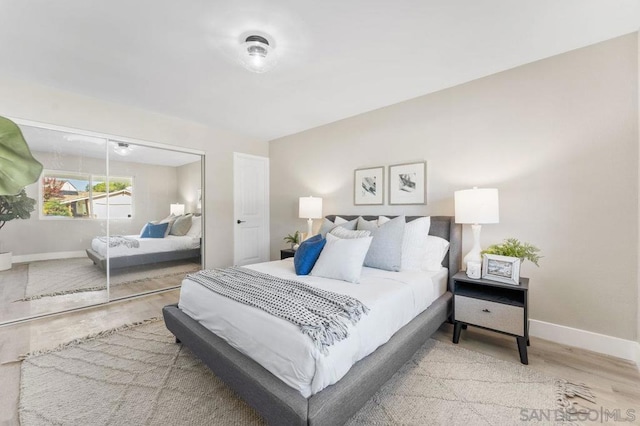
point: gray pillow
(340, 232)
(385, 251)
(327, 226)
(181, 225)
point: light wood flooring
(615, 382)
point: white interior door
(251, 209)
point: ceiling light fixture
(122, 149)
(257, 55)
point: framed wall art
(368, 186)
(504, 269)
(408, 183)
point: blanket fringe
(565, 390)
(89, 337)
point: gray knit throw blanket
(119, 240)
(322, 315)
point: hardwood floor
(615, 382)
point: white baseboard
(608, 345)
(48, 256)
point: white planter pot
(5, 261)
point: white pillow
(196, 227)
(437, 249)
(382, 220)
(340, 232)
(414, 244)
(340, 220)
(342, 259)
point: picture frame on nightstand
(504, 269)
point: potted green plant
(512, 247)
(13, 207)
(294, 240)
(19, 169)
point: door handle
(241, 221)
(486, 310)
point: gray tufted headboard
(441, 226)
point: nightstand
(286, 253)
(494, 306)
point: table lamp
(177, 209)
(310, 208)
(476, 207)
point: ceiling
(337, 58)
(65, 143)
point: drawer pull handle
(486, 310)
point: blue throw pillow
(307, 254)
(154, 231)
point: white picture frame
(368, 186)
(408, 183)
(504, 269)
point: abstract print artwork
(408, 183)
(368, 186)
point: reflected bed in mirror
(93, 189)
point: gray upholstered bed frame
(282, 405)
(141, 259)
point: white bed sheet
(147, 245)
(394, 299)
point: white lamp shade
(310, 208)
(177, 209)
(477, 206)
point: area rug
(48, 278)
(139, 375)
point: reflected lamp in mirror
(177, 209)
(310, 208)
(476, 207)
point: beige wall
(189, 181)
(38, 103)
(155, 187)
(558, 138)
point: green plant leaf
(514, 248)
(18, 168)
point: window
(84, 196)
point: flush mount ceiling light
(122, 149)
(256, 54)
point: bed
(281, 400)
(150, 250)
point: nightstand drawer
(497, 316)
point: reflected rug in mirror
(48, 278)
(139, 375)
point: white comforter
(394, 299)
(147, 245)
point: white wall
(31, 101)
(558, 138)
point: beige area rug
(140, 376)
(64, 276)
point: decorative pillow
(341, 259)
(340, 232)
(437, 249)
(196, 227)
(382, 220)
(327, 226)
(386, 248)
(307, 254)
(340, 220)
(154, 230)
(414, 243)
(181, 225)
(169, 219)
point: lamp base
(309, 228)
(474, 254)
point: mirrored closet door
(92, 236)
